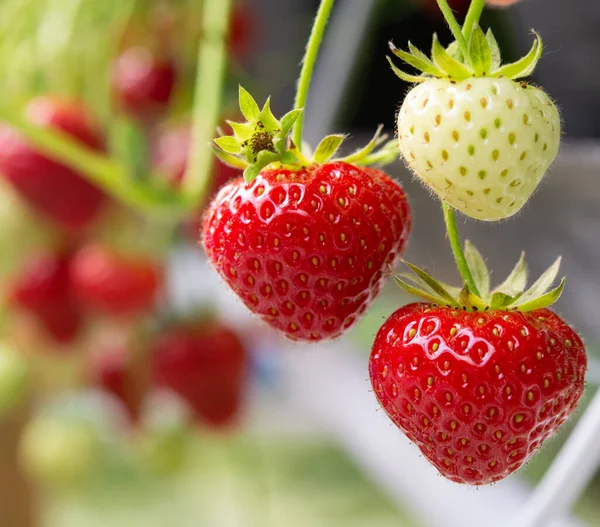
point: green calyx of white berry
(265, 142)
(483, 60)
(510, 295)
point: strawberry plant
(478, 377)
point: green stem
(308, 65)
(455, 243)
(107, 173)
(210, 75)
(454, 26)
(473, 16)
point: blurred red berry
(206, 366)
(502, 3)
(42, 288)
(112, 283)
(241, 31)
(143, 82)
(59, 192)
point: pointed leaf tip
(229, 144)
(248, 105)
(480, 53)
(328, 147)
(544, 300)
(524, 66)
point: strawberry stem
(472, 18)
(210, 74)
(455, 243)
(308, 65)
(454, 25)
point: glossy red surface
(478, 392)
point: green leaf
(421, 63)
(228, 159)
(542, 284)
(432, 283)
(476, 263)
(405, 76)
(267, 118)
(545, 300)
(516, 280)
(448, 64)
(251, 172)
(248, 105)
(288, 120)
(387, 154)
(328, 147)
(242, 131)
(288, 158)
(469, 300)
(480, 53)
(377, 139)
(501, 300)
(454, 50)
(415, 51)
(418, 292)
(525, 66)
(494, 48)
(229, 144)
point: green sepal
(480, 53)
(525, 66)
(251, 172)
(432, 283)
(418, 61)
(494, 49)
(517, 280)
(479, 271)
(328, 146)
(248, 106)
(471, 301)
(418, 292)
(242, 131)
(542, 284)
(406, 77)
(361, 153)
(289, 119)
(228, 159)
(288, 158)
(501, 300)
(228, 144)
(386, 155)
(449, 65)
(544, 300)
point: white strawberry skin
(482, 144)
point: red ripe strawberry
(54, 189)
(143, 82)
(111, 372)
(42, 288)
(205, 364)
(113, 283)
(478, 392)
(241, 31)
(308, 250)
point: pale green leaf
(406, 77)
(525, 66)
(476, 263)
(495, 49)
(267, 118)
(432, 283)
(544, 300)
(229, 144)
(229, 160)
(501, 300)
(480, 53)
(542, 284)
(242, 131)
(328, 147)
(454, 50)
(469, 300)
(248, 105)
(288, 120)
(418, 292)
(387, 154)
(448, 64)
(423, 65)
(377, 139)
(251, 172)
(516, 280)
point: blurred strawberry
(143, 82)
(112, 372)
(59, 192)
(42, 289)
(241, 31)
(113, 282)
(205, 364)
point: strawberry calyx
(483, 60)
(263, 141)
(510, 295)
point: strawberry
(143, 82)
(205, 364)
(477, 138)
(42, 288)
(306, 244)
(57, 191)
(501, 3)
(114, 283)
(479, 383)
